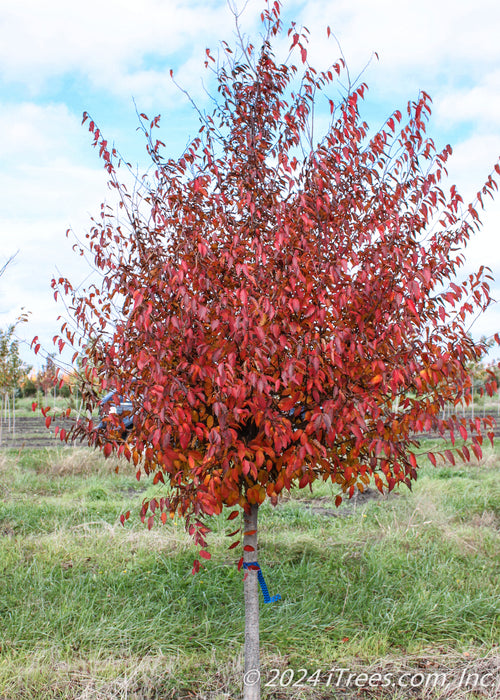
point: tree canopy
(280, 308)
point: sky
(112, 58)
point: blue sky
(58, 59)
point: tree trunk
(251, 586)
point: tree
(279, 309)
(12, 367)
(12, 370)
(46, 378)
(481, 373)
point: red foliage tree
(47, 376)
(280, 310)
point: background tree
(280, 309)
(481, 373)
(47, 376)
(28, 384)
(12, 367)
(12, 371)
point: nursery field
(21, 427)
(385, 597)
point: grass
(23, 405)
(91, 609)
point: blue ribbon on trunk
(254, 566)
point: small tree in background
(28, 383)
(47, 376)
(481, 374)
(12, 371)
(280, 309)
(12, 368)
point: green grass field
(91, 609)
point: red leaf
(234, 544)
(205, 554)
(107, 449)
(249, 548)
(449, 456)
(477, 451)
(234, 514)
(411, 306)
(158, 477)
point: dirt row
(29, 432)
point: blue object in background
(108, 405)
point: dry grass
(443, 676)
(486, 519)
(94, 679)
(76, 462)
(433, 675)
(4, 463)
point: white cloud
(104, 41)
(427, 37)
(479, 103)
(473, 159)
(46, 188)
(44, 175)
(110, 43)
(33, 132)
